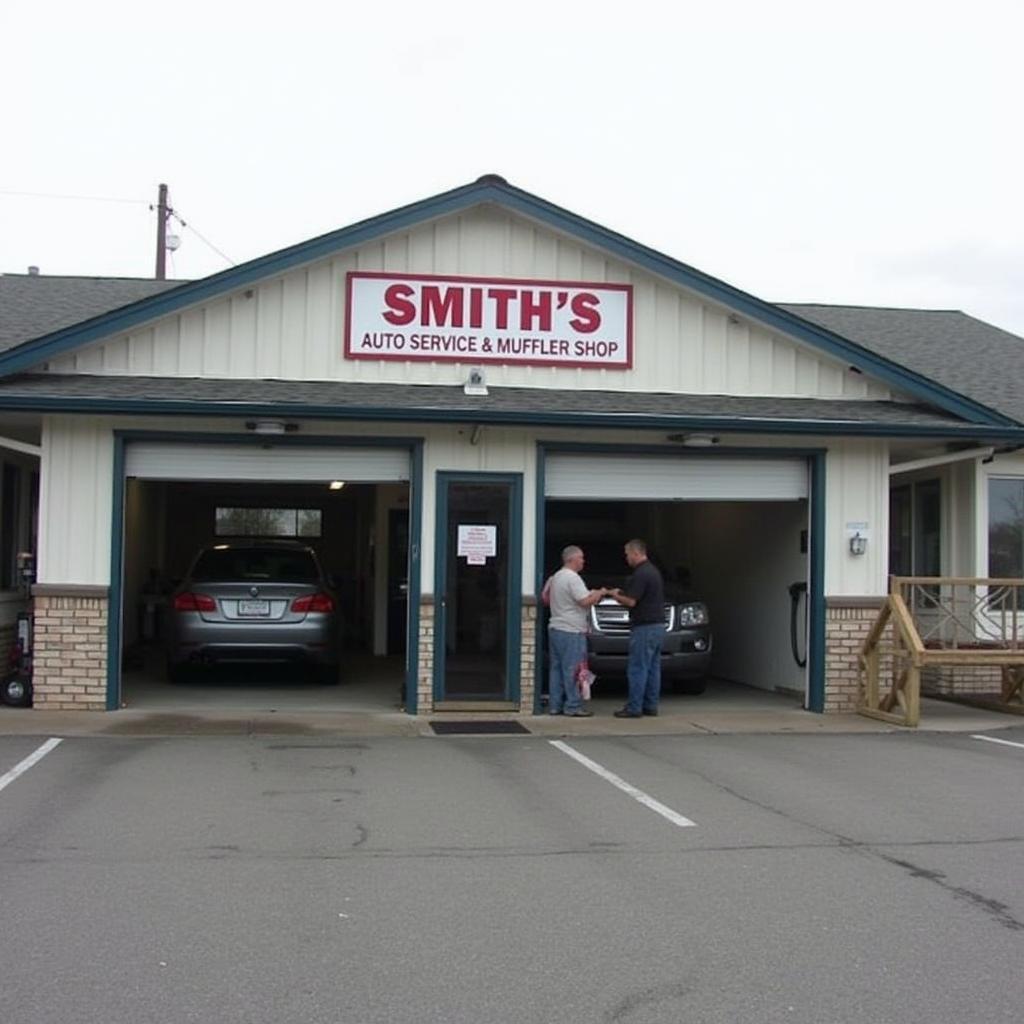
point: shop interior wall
(167, 523)
(144, 525)
(745, 556)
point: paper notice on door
(477, 543)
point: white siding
(75, 501)
(291, 326)
(857, 491)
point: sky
(861, 154)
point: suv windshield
(230, 564)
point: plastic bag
(584, 680)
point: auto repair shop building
(490, 377)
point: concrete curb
(937, 717)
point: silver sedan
(254, 602)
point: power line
(202, 239)
(118, 199)
(83, 199)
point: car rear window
(228, 565)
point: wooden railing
(940, 620)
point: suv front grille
(613, 618)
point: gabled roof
(945, 345)
(495, 190)
(33, 305)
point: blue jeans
(565, 652)
(643, 669)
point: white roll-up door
(674, 478)
(156, 460)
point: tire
(17, 691)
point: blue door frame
(513, 613)
(815, 548)
(115, 610)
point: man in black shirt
(644, 596)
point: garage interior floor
(367, 683)
(373, 685)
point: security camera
(476, 382)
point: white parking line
(19, 769)
(637, 794)
(1005, 743)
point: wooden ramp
(949, 624)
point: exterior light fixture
(858, 544)
(336, 485)
(694, 440)
(269, 427)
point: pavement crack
(1000, 912)
(646, 998)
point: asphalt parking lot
(798, 878)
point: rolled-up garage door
(155, 460)
(680, 477)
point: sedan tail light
(314, 603)
(194, 603)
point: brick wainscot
(69, 665)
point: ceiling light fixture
(336, 485)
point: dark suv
(685, 652)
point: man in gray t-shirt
(568, 598)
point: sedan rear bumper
(314, 641)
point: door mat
(476, 728)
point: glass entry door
(477, 588)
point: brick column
(528, 655)
(425, 666)
(69, 661)
(847, 622)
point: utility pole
(162, 213)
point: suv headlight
(695, 614)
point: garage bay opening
(730, 537)
(264, 594)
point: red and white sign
(489, 320)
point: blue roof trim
(493, 190)
(723, 424)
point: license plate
(253, 607)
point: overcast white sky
(865, 153)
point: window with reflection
(1006, 528)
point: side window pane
(927, 529)
(8, 526)
(1006, 528)
(901, 562)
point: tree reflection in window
(1006, 528)
(269, 522)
